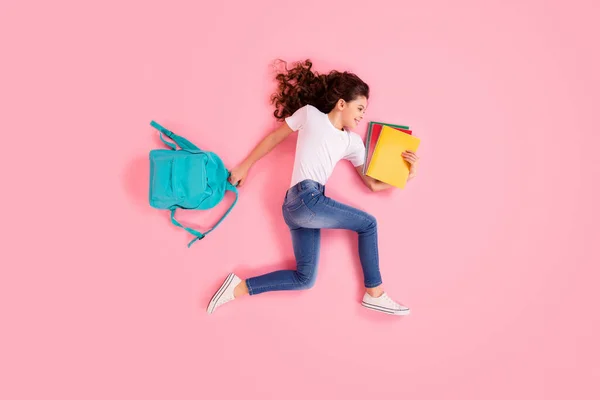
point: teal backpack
(188, 178)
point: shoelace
(390, 301)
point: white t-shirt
(321, 145)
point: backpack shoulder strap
(199, 235)
(231, 188)
(180, 140)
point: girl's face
(354, 111)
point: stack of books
(385, 162)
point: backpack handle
(183, 143)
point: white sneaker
(384, 304)
(224, 294)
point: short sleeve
(356, 151)
(298, 119)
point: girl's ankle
(375, 292)
(240, 290)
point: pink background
(494, 246)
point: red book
(373, 134)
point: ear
(341, 104)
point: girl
(323, 109)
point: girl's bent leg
(331, 214)
(306, 243)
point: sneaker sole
(211, 305)
(385, 310)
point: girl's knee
(308, 284)
(370, 222)
(306, 281)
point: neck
(336, 120)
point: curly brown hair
(300, 86)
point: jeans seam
(314, 254)
(377, 258)
(312, 213)
(267, 288)
(347, 212)
(250, 290)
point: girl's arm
(239, 173)
(373, 184)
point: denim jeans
(306, 210)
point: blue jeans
(306, 210)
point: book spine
(392, 125)
(367, 146)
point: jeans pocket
(301, 215)
(294, 204)
(297, 212)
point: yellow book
(387, 164)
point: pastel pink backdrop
(494, 245)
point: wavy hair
(300, 86)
